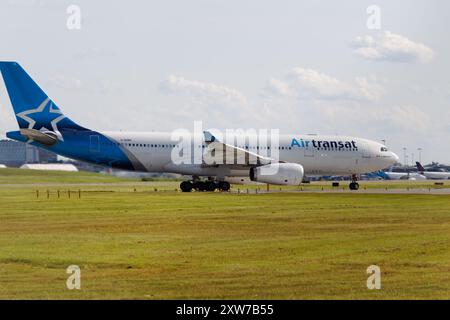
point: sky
(325, 67)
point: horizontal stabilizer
(48, 138)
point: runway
(435, 191)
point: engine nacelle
(278, 173)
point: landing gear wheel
(224, 186)
(186, 186)
(199, 186)
(210, 186)
(354, 185)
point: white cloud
(388, 46)
(307, 84)
(208, 92)
(405, 117)
(303, 100)
(217, 105)
(380, 119)
(278, 87)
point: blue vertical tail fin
(419, 166)
(383, 175)
(34, 110)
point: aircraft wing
(219, 153)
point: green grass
(161, 245)
(11, 176)
(26, 176)
(364, 185)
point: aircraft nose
(394, 157)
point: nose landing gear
(354, 185)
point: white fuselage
(154, 152)
(436, 175)
(405, 176)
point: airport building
(16, 154)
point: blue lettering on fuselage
(337, 145)
(299, 143)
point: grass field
(22, 176)
(160, 245)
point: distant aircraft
(438, 175)
(389, 175)
(43, 124)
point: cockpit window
(384, 149)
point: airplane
(439, 175)
(43, 124)
(389, 175)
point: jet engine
(278, 173)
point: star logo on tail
(43, 118)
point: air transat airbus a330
(43, 124)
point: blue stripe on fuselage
(82, 145)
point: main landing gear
(354, 185)
(209, 185)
